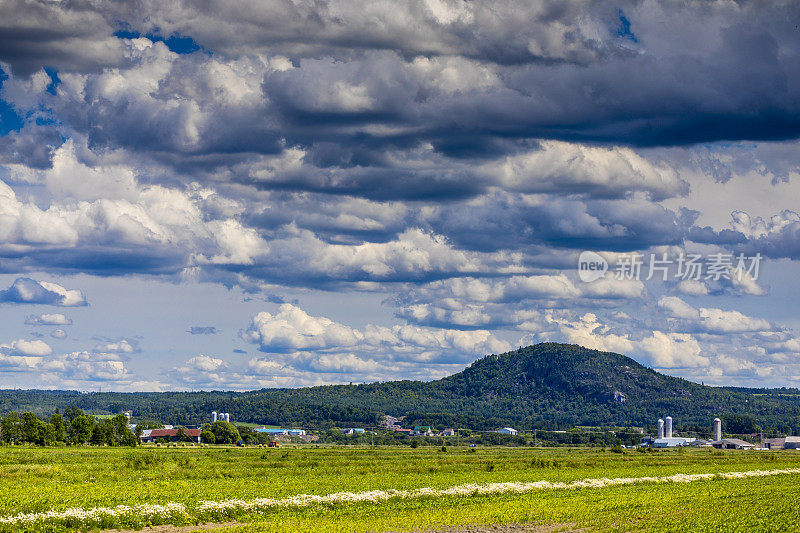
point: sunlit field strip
(176, 513)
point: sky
(206, 195)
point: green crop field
(170, 485)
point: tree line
(72, 427)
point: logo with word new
(591, 266)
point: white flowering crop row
(177, 513)
(102, 516)
(226, 508)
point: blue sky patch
(624, 28)
(9, 119)
(178, 44)
(55, 81)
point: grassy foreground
(747, 505)
(37, 480)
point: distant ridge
(545, 386)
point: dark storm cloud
(503, 221)
(32, 145)
(348, 80)
(68, 35)
(745, 88)
(109, 260)
(97, 261)
(380, 183)
(500, 32)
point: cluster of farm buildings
(394, 424)
(170, 433)
(664, 438)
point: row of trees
(71, 427)
(220, 433)
(488, 438)
(226, 433)
(76, 427)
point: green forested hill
(545, 386)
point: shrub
(141, 461)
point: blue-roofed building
(282, 431)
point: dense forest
(546, 386)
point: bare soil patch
(178, 529)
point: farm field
(37, 480)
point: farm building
(508, 431)
(151, 435)
(733, 444)
(782, 443)
(672, 442)
(775, 444)
(353, 431)
(282, 431)
(791, 443)
(449, 432)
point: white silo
(717, 429)
(213, 416)
(668, 428)
(660, 432)
(227, 417)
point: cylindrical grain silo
(717, 429)
(668, 428)
(660, 432)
